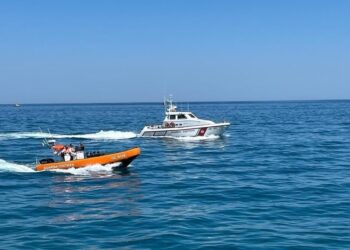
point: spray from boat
(92, 170)
(101, 135)
(6, 166)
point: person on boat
(62, 152)
(57, 148)
(70, 149)
(65, 153)
(79, 152)
(71, 152)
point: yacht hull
(191, 131)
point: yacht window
(181, 116)
(172, 117)
(191, 115)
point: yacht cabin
(183, 119)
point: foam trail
(102, 135)
(187, 138)
(13, 167)
(88, 170)
(197, 138)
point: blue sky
(136, 51)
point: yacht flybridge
(183, 124)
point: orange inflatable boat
(124, 157)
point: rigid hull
(124, 157)
(216, 129)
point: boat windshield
(191, 115)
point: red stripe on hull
(202, 131)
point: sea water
(279, 178)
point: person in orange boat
(57, 148)
(69, 152)
(63, 153)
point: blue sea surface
(279, 178)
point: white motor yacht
(183, 124)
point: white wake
(102, 135)
(92, 170)
(188, 138)
(88, 170)
(197, 138)
(13, 167)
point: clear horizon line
(157, 102)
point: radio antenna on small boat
(49, 143)
(44, 142)
(50, 133)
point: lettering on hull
(204, 131)
(119, 157)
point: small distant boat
(183, 124)
(17, 105)
(78, 158)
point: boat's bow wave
(6, 166)
(101, 135)
(198, 138)
(88, 170)
(188, 138)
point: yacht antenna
(165, 104)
